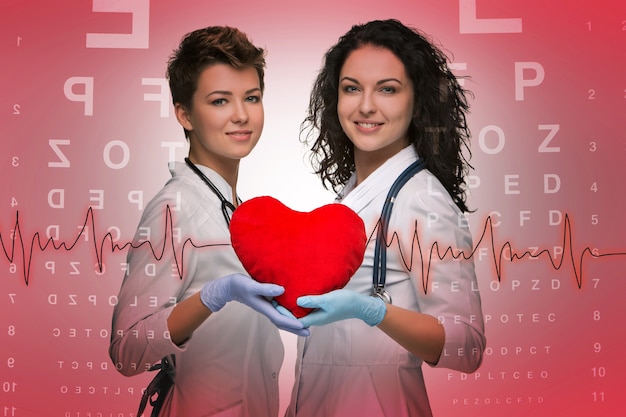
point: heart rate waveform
(26, 247)
(498, 256)
(89, 224)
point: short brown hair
(204, 47)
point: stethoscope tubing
(379, 273)
(226, 205)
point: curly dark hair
(438, 130)
(208, 46)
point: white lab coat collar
(379, 181)
(180, 169)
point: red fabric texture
(308, 253)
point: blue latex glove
(238, 287)
(282, 310)
(340, 305)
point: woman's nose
(367, 104)
(240, 113)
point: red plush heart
(308, 253)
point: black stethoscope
(226, 205)
(380, 250)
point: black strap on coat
(160, 385)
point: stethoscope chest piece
(382, 294)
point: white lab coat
(229, 367)
(348, 368)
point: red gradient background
(548, 151)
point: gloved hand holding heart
(308, 253)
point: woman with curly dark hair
(388, 129)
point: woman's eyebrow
(354, 80)
(230, 93)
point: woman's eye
(219, 102)
(253, 99)
(350, 89)
(388, 90)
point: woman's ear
(183, 116)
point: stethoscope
(380, 249)
(226, 205)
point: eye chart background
(86, 121)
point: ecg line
(498, 257)
(99, 251)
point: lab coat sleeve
(150, 289)
(443, 274)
